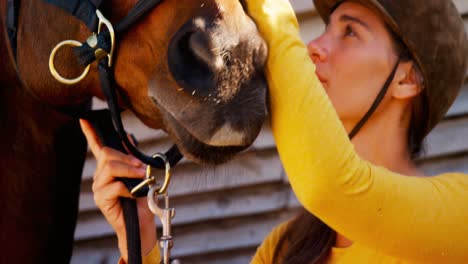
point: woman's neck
(383, 141)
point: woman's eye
(349, 32)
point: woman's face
(353, 57)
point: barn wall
(223, 213)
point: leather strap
(376, 102)
(84, 10)
(107, 86)
(86, 54)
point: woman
(370, 213)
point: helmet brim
(326, 7)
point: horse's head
(194, 69)
(190, 67)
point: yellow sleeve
(266, 250)
(413, 218)
(154, 257)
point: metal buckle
(92, 41)
(150, 179)
(108, 24)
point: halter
(100, 47)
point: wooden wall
(223, 213)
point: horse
(192, 68)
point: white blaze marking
(226, 136)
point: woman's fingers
(104, 154)
(107, 155)
(105, 196)
(114, 168)
(93, 140)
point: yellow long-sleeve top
(391, 218)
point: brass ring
(53, 71)
(167, 175)
(147, 181)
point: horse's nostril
(191, 62)
(202, 47)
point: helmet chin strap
(376, 103)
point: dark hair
(307, 239)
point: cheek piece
(376, 102)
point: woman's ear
(407, 82)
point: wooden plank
(462, 6)
(89, 257)
(248, 169)
(111, 256)
(460, 106)
(201, 208)
(302, 6)
(458, 163)
(154, 141)
(293, 202)
(311, 26)
(225, 235)
(100, 254)
(92, 228)
(219, 236)
(242, 256)
(449, 137)
(186, 166)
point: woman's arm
(421, 219)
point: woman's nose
(316, 52)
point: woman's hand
(107, 190)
